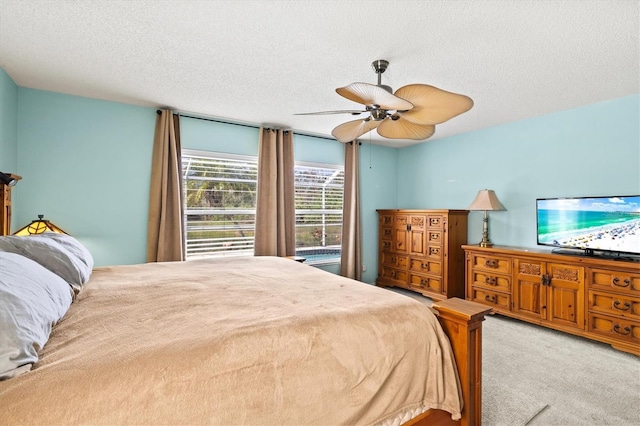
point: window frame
(253, 160)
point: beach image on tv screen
(598, 223)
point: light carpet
(535, 376)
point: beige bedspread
(252, 340)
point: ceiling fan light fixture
(403, 129)
(410, 113)
(352, 130)
(432, 105)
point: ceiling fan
(410, 113)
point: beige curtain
(351, 258)
(275, 206)
(165, 240)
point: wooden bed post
(5, 207)
(461, 320)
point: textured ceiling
(259, 62)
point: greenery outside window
(220, 206)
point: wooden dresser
(421, 250)
(587, 296)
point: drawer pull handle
(489, 298)
(490, 280)
(626, 332)
(616, 280)
(616, 304)
(491, 263)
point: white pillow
(32, 300)
(60, 253)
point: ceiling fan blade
(403, 129)
(344, 111)
(351, 130)
(370, 94)
(432, 105)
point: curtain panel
(351, 257)
(275, 205)
(165, 237)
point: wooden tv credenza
(587, 296)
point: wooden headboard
(5, 203)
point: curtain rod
(243, 125)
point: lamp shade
(8, 179)
(486, 200)
(39, 226)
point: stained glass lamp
(39, 226)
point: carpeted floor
(535, 376)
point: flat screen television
(594, 225)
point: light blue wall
(588, 151)
(8, 124)
(378, 190)
(86, 166)
(206, 135)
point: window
(319, 192)
(220, 206)
(220, 203)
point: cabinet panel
(418, 246)
(566, 294)
(530, 296)
(401, 236)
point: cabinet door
(565, 300)
(530, 296)
(401, 234)
(417, 235)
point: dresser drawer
(434, 237)
(491, 298)
(394, 275)
(620, 329)
(491, 281)
(488, 262)
(436, 222)
(615, 304)
(434, 252)
(387, 233)
(390, 259)
(621, 282)
(426, 266)
(425, 282)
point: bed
(239, 340)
